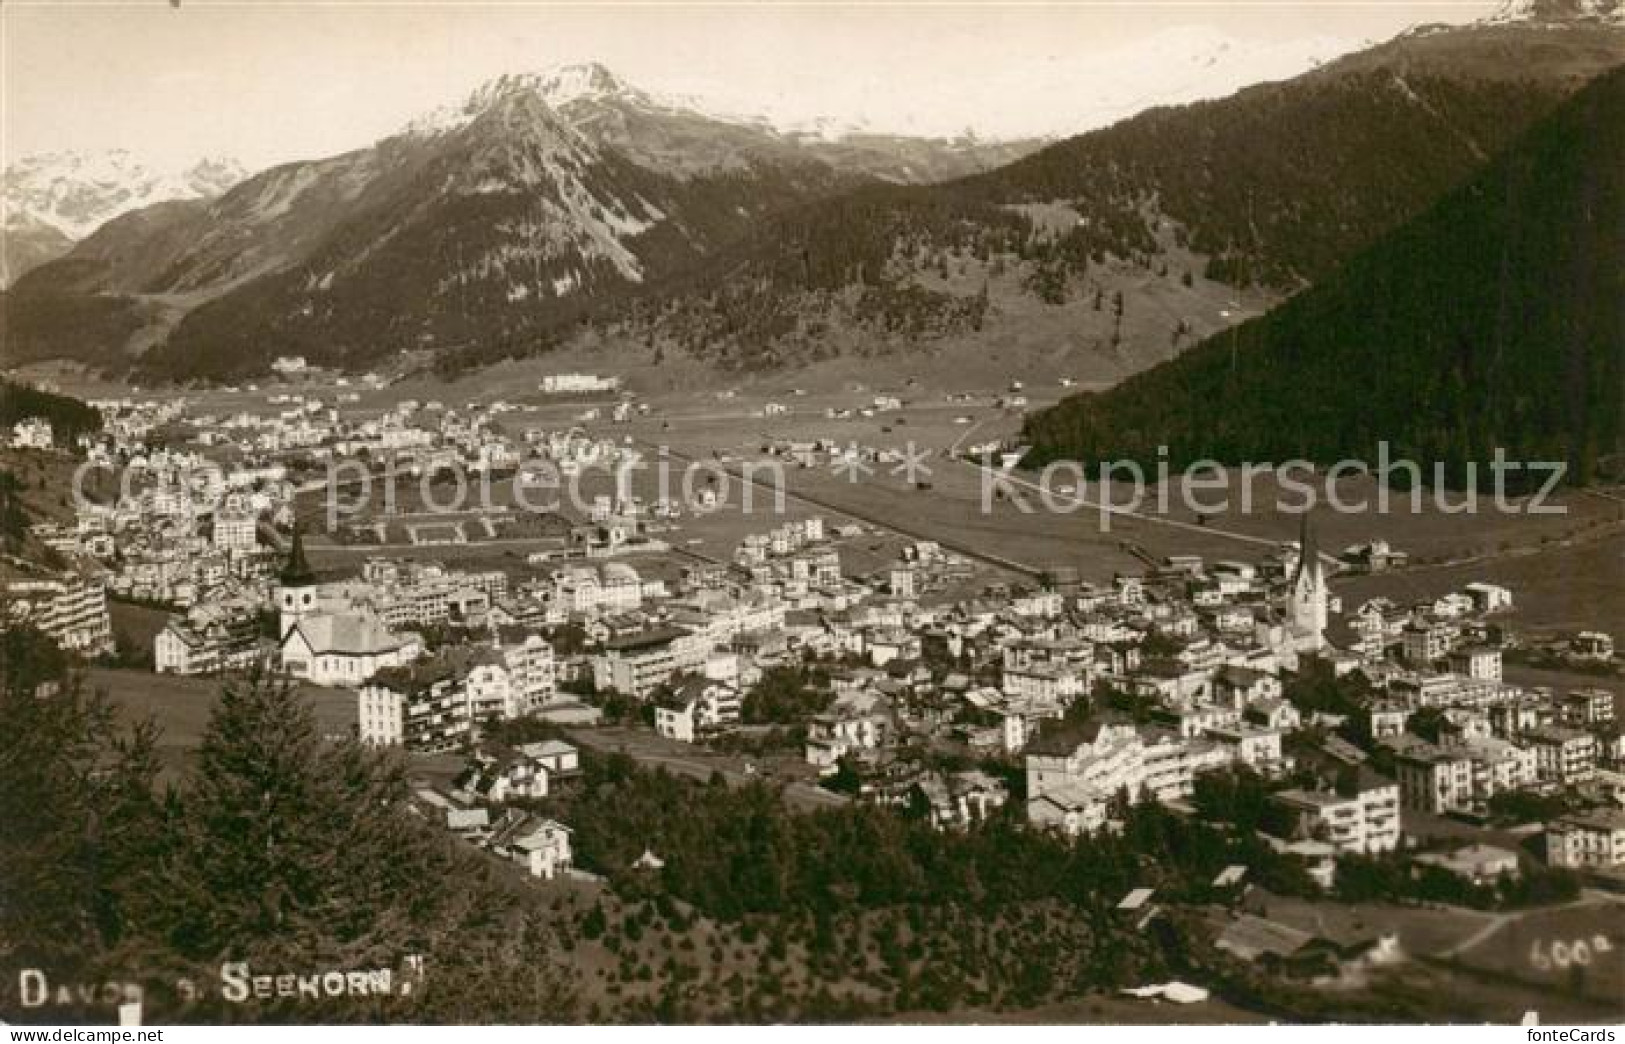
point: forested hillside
(278, 849)
(1495, 320)
(1274, 186)
(69, 417)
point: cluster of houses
(183, 509)
(1196, 652)
(480, 804)
(172, 526)
(31, 433)
(1451, 733)
(1203, 649)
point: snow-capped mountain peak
(563, 84)
(556, 87)
(76, 192)
(1555, 12)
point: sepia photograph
(919, 516)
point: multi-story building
(720, 623)
(1488, 598)
(636, 664)
(1169, 681)
(696, 707)
(1591, 840)
(1582, 708)
(407, 594)
(235, 531)
(1257, 748)
(70, 610)
(1592, 645)
(1424, 643)
(1479, 662)
(1515, 717)
(1450, 690)
(490, 692)
(209, 639)
(532, 674)
(1191, 720)
(424, 706)
(1073, 775)
(1242, 687)
(435, 704)
(1563, 756)
(1387, 719)
(1363, 822)
(381, 715)
(1434, 779)
(1498, 765)
(578, 383)
(613, 588)
(832, 736)
(556, 756)
(541, 846)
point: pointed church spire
(1308, 550)
(297, 571)
(1307, 600)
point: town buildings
(344, 649)
(71, 610)
(1104, 694)
(211, 638)
(1589, 840)
(1563, 756)
(32, 433)
(578, 383)
(696, 707)
(1073, 776)
(636, 664)
(1365, 820)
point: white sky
(276, 80)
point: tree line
(275, 848)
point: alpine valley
(569, 209)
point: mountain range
(1271, 187)
(536, 195)
(1071, 91)
(569, 207)
(1493, 321)
(54, 200)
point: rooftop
(645, 639)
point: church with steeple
(1307, 595)
(326, 640)
(296, 587)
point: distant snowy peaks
(75, 192)
(212, 176)
(1058, 97)
(1553, 12)
(574, 90)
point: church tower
(296, 586)
(1307, 595)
